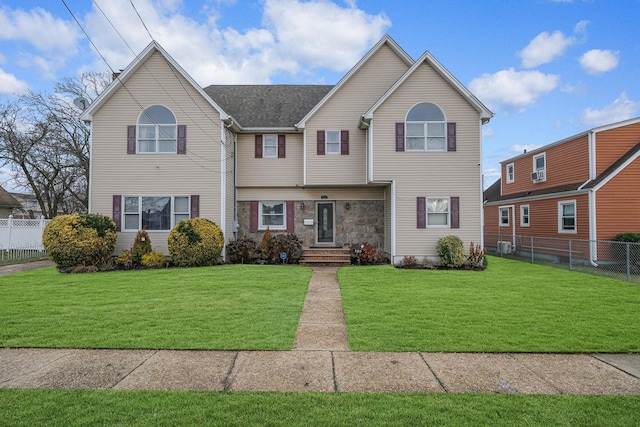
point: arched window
(426, 128)
(157, 130)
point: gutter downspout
(593, 247)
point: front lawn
(235, 307)
(171, 408)
(510, 307)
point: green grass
(510, 307)
(225, 307)
(164, 408)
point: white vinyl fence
(21, 238)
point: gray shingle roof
(267, 106)
(7, 200)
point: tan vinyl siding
(332, 193)
(429, 174)
(618, 205)
(270, 172)
(116, 172)
(612, 144)
(565, 163)
(343, 112)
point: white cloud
(11, 85)
(544, 48)
(288, 42)
(597, 61)
(488, 132)
(622, 108)
(513, 89)
(55, 38)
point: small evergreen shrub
(195, 242)
(242, 250)
(80, 240)
(450, 250)
(287, 243)
(153, 259)
(264, 244)
(620, 248)
(125, 259)
(367, 254)
(141, 246)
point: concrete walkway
(321, 361)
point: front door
(325, 232)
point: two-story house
(390, 155)
(583, 187)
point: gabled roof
(386, 40)
(7, 200)
(267, 106)
(615, 168)
(139, 61)
(485, 113)
(492, 194)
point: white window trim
(157, 133)
(562, 203)
(511, 178)
(426, 212)
(425, 137)
(534, 169)
(262, 226)
(522, 223)
(508, 224)
(326, 142)
(264, 146)
(140, 197)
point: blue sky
(548, 69)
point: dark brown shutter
(320, 137)
(253, 217)
(282, 151)
(131, 139)
(195, 206)
(422, 212)
(258, 148)
(455, 212)
(451, 137)
(344, 142)
(290, 216)
(117, 212)
(182, 139)
(400, 136)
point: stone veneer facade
(362, 222)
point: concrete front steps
(326, 256)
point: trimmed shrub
(450, 250)
(80, 240)
(195, 242)
(287, 243)
(367, 254)
(264, 244)
(125, 259)
(620, 249)
(242, 250)
(153, 259)
(141, 246)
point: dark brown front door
(325, 230)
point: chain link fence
(618, 260)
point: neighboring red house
(583, 187)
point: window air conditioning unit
(537, 175)
(505, 247)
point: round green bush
(74, 240)
(153, 259)
(450, 251)
(195, 242)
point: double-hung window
(510, 173)
(539, 167)
(567, 216)
(270, 146)
(524, 215)
(272, 215)
(333, 141)
(426, 128)
(504, 217)
(157, 131)
(154, 213)
(438, 212)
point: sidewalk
(321, 361)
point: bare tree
(46, 146)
